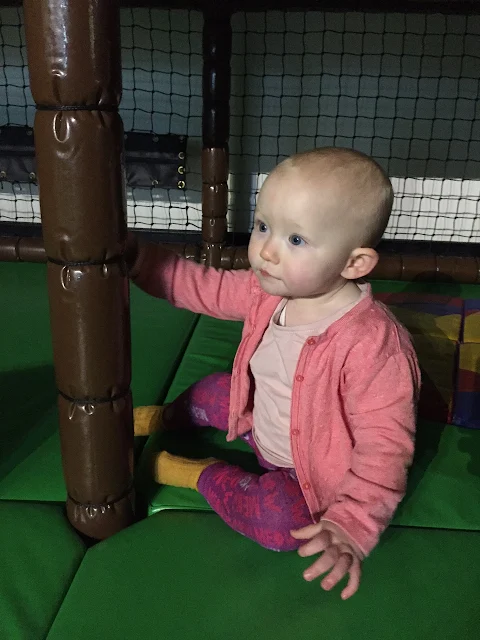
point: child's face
(301, 243)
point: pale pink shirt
(273, 367)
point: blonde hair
(373, 190)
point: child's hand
(339, 556)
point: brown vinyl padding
(406, 268)
(74, 65)
(217, 49)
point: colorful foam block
(427, 314)
(467, 395)
(437, 358)
(446, 334)
(435, 323)
(471, 327)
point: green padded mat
(187, 576)
(30, 448)
(444, 484)
(442, 289)
(211, 348)
(39, 555)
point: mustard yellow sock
(176, 471)
(147, 420)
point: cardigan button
(306, 486)
(311, 341)
(295, 432)
(299, 378)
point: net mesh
(18, 201)
(162, 93)
(403, 88)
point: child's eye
(262, 227)
(297, 241)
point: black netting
(162, 80)
(400, 87)
(162, 89)
(18, 201)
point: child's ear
(360, 263)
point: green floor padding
(25, 343)
(39, 555)
(33, 470)
(29, 426)
(211, 348)
(187, 576)
(444, 482)
(443, 289)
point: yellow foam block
(419, 322)
(471, 329)
(469, 358)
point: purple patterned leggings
(264, 507)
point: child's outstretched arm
(187, 285)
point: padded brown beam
(217, 48)
(17, 249)
(73, 49)
(408, 268)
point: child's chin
(274, 288)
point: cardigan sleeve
(188, 285)
(380, 403)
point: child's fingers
(340, 569)
(317, 544)
(353, 581)
(322, 565)
(306, 532)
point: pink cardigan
(353, 400)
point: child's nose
(269, 252)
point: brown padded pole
(217, 49)
(73, 51)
